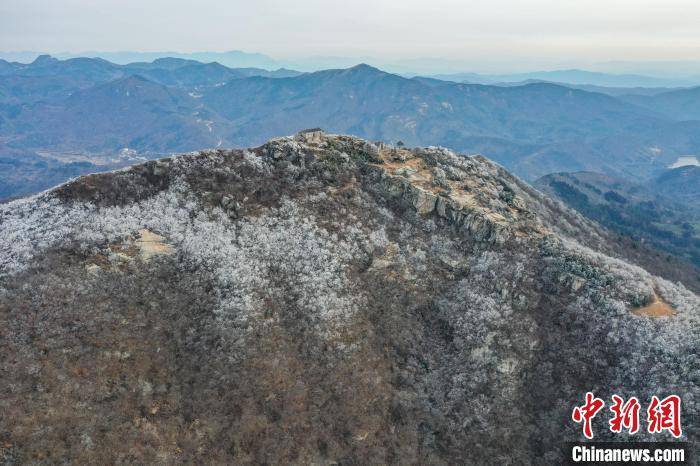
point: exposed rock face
(319, 299)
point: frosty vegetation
(328, 300)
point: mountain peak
(364, 67)
(43, 60)
(320, 280)
(125, 82)
(422, 175)
(173, 63)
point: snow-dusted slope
(320, 299)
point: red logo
(625, 415)
(665, 415)
(587, 412)
(662, 415)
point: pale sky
(556, 31)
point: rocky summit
(322, 299)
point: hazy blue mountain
(191, 75)
(84, 68)
(173, 70)
(98, 108)
(131, 112)
(233, 58)
(655, 67)
(278, 73)
(167, 63)
(534, 129)
(600, 79)
(49, 78)
(8, 67)
(577, 77)
(612, 91)
(467, 78)
(681, 104)
(622, 91)
(384, 105)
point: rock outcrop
(320, 299)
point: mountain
(624, 92)
(681, 184)
(382, 105)
(654, 213)
(574, 77)
(8, 67)
(49, 78)
(92, 69)
(190, 74)
(535, 129)
(322, 299)
(61, 118)
(165, 63)
(130, 112)
(532, 129)
(233, 58)
(682, 104)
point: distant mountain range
(533, 129)
(102, 114)
(233, 58)
(684, 73)
(575, 77)
(608, 90)
(169, 71)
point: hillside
(662, 214)
(130, 112)
(25, 174)
(682, 184)
(321, 299)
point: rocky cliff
(321, 299)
